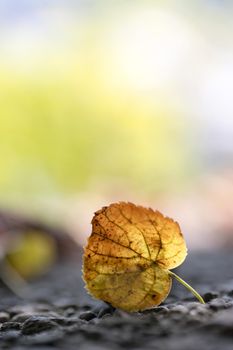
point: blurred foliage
(55, 136)
(32, 254)
(65, 126)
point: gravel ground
(60, 315)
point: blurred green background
(109, 100)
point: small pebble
(87, 316)
(37, 324)
(69, 312)
(4, 317)
(210, 296)
(10, 325)
(21, 317)
(199, 311)
(159, 309)
(219, 304)
(63, 321)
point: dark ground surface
(60, 315)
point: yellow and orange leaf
(128, 256)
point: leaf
(128, 256)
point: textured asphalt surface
(60, 315)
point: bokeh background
(103, 101)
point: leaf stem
(186, 285)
